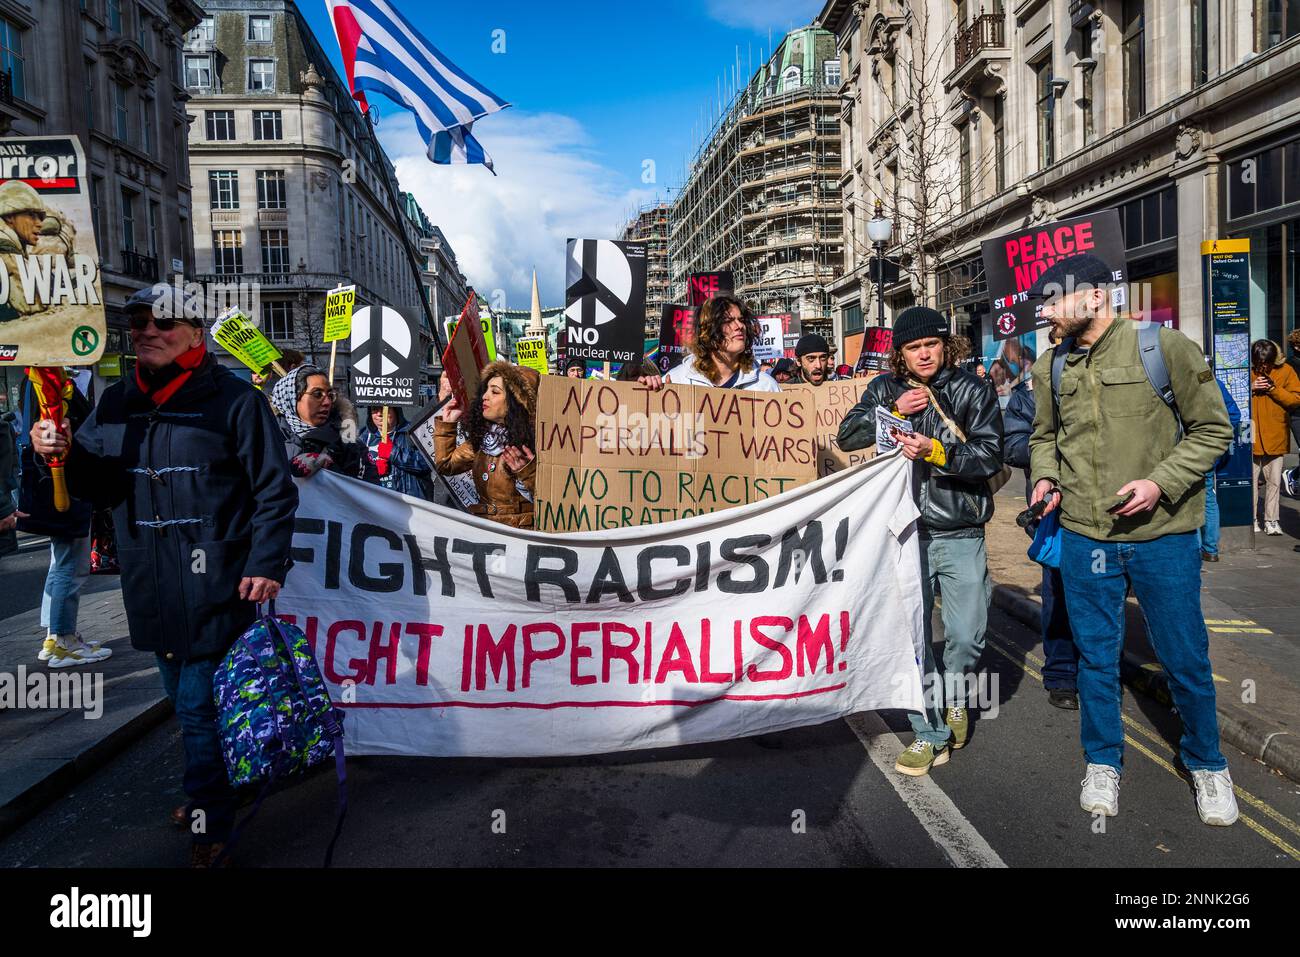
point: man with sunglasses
(192, 464)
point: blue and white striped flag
(384, 53)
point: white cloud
(779, 16)
(548, 188)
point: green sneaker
(958, 720)
(919, 758)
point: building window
(261, 76)
(90, 94)
(853, 319)
(1275, 21)
(146, 126)
(963, 155)
(267, 125)
(142, 27)
(1085, 78)
(259, 29)
(154, 243)
(121, 120)
(223, 188)
(1200, 42)
(115, 15)
(1046, 114)
(271, 192)
(228, 251)
(999, 144)
(275, 250)
(1135, 60)
(97, 209)
(277, 320)
(833, 73)
(220, 124)
(128, 220)
(198, 72)
(11, 57)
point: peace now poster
(442, 634)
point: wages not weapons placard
(51, 303)
(616, 453)
(385, 350)
(443, 634)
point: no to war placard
(243, 340)
(531, 353)
(338, 312)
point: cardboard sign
(51, 303)
(605, 292)
(1012, 263)
(705, 285)
(385, 346)
(770, 341)
(616, 453)
(466, 355)
(531, 353)
(443, 634)
(338, 312)
(832, 401)
(243, 340)
(877, 344)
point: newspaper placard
(51, 303)
(617, 453)
(531, 353)
(338, 312)
(243, 340)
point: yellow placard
(338, 312)
(532, 354)
(109, 365)
(486, 322)
(243, 340)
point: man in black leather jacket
(957, 448)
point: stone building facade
(1183, 116)
(108, 71)
(295, 193)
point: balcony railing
(139, 266)
(986, 30)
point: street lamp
(879, 230)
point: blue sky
(596, 90)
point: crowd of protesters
(188, 457)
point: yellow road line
(1240, 631)
(1249, 798)
(1229, 621)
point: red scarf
(166, 382)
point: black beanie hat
(918, 322)
(811, 343)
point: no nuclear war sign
(385, 357)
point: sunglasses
(139, 321)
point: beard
(1072, 325)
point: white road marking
(942, 820)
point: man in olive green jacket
(1131, 495)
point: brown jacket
(499, 497)
(1269, 411)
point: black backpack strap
(1153, 362)
(1059, 355)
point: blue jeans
(959, 566)
(1165, 575)
(189, 685)
(1060, 656)
(1210, 530)
(69, 567)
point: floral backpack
(275, 716)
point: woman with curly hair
(499, 442)
(722, 355)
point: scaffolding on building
(650, 226)
(762, 194)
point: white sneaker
(1272, 528)
(47, 647)
(1215, 802)
(69, 651)
(1100, 790)
(1257, 528)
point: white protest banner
(440, 633)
